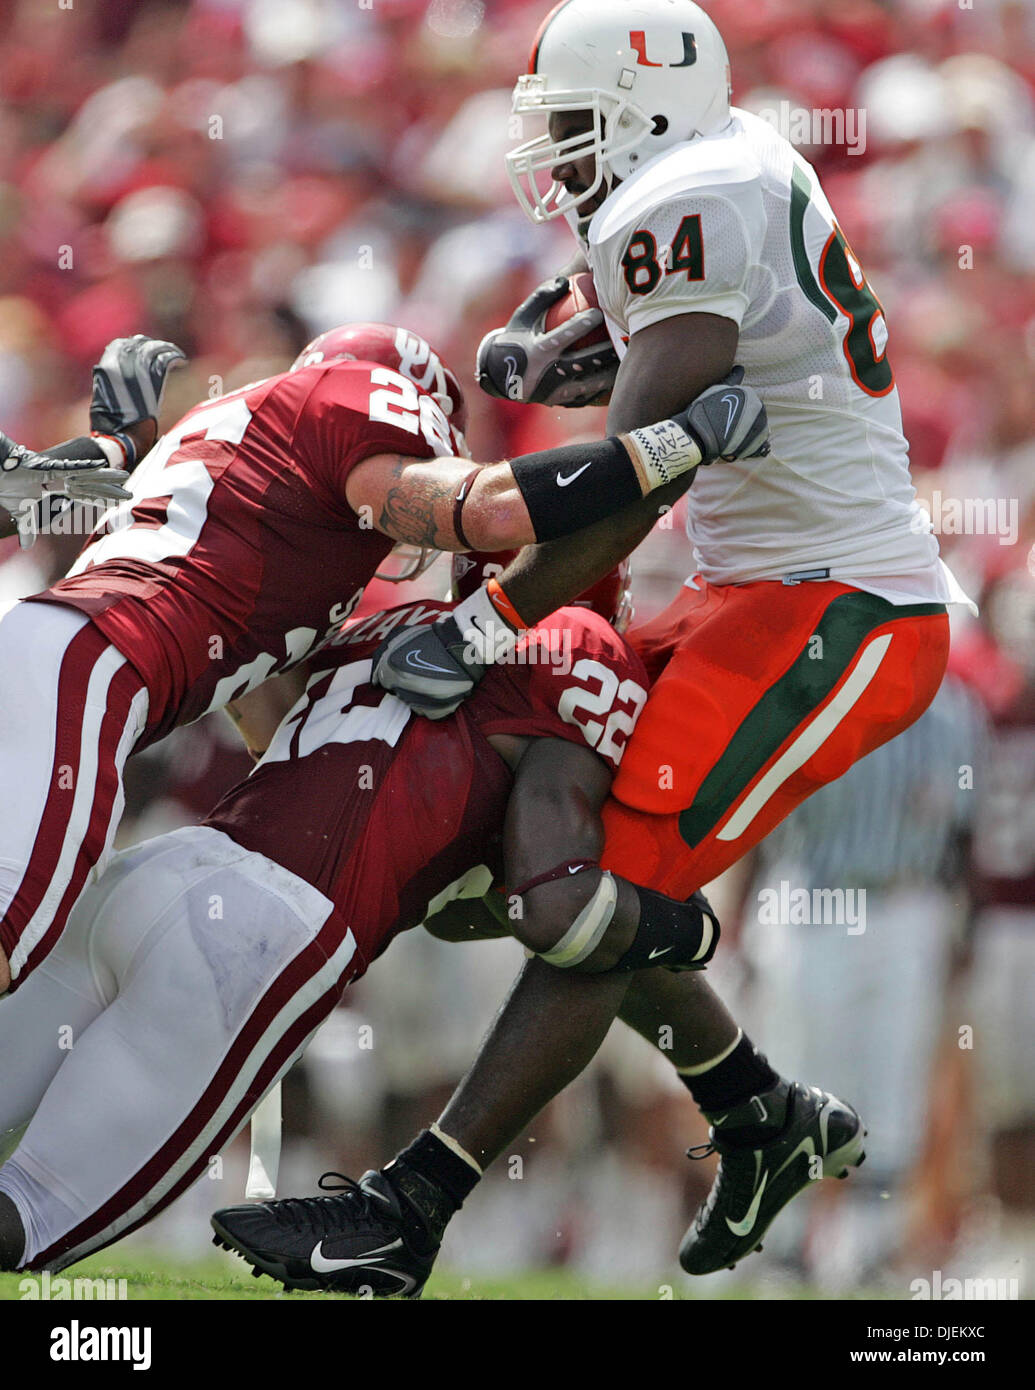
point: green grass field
(216, 1278)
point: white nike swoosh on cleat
(664, 951)
(408, 1282)
(322, 1265)
(745, 1225)
(563, 482)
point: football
(581, 295)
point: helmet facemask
(628, 126)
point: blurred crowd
(239, 175)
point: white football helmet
(653, 73)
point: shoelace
(320, 1214)
(699, 1151)
(730, 1176)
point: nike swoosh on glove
(525, 361)
(428, 668)
(728, 421)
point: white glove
(27, 477)
(129, 381)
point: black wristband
(459, 499)
(672, 933)
(573, 486)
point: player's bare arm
(257, 714)
(670, 361)
(563, 906)
(686, 353)
(450, 504)
(540, 579)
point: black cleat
(755, 1181)
(366, 1238)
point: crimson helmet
(398, 349)
(610, 596)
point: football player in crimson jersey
(407, 1203)
(251, 529)
(813, 626)
(195, 970)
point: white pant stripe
(809, 740)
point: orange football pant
(762, 693)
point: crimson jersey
(392, 816)
(238, 551)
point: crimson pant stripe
(81, 655)
(302, 969)
(84, 1239)
(121, 694)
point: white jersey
(736, 224)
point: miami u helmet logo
(638, 43)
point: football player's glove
(728, 421)
(129, 380)
(27, 477)
(525, 361)
(431, 668)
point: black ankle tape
(733, 1081)
(437, 1162)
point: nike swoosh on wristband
(413, 659)
(664, 951)
(498, 600)
(322, 1265)
(563, 482)
(745, 1225)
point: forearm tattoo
(413, 511)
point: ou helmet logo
(638, 43)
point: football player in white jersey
(813, 625)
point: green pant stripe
(846, 622)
